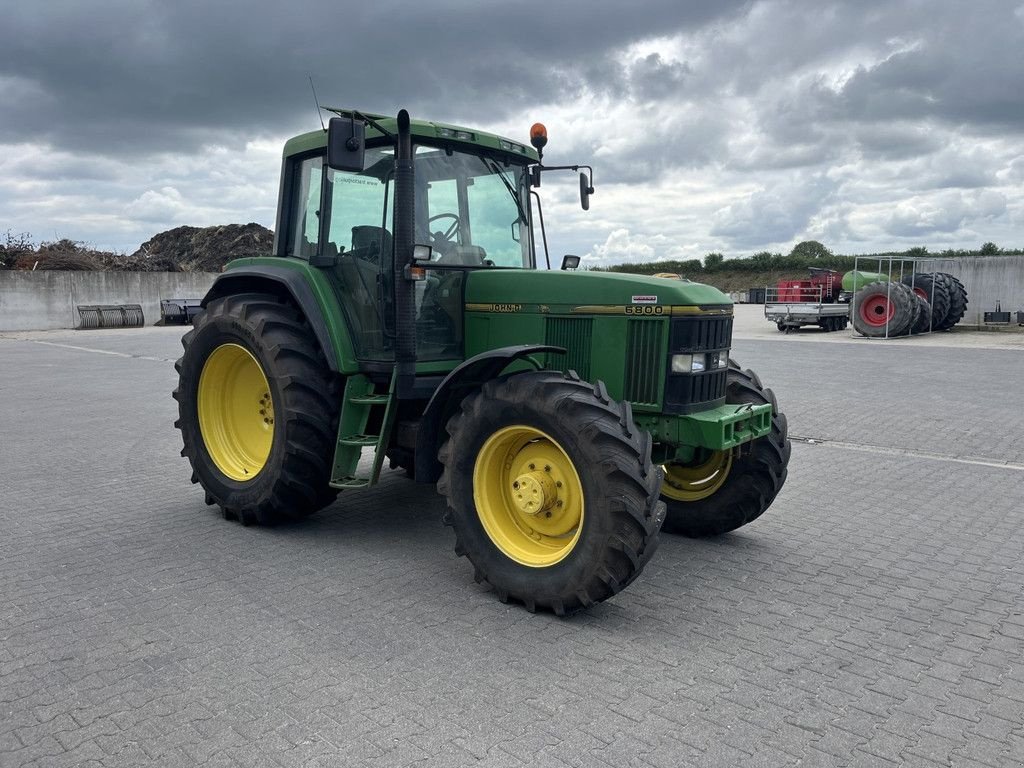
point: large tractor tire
(257, 410)
(957, 302)
(551, 490)
(884, 309)
(934, 289)
(721, 491)
(923, 324)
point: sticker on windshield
(645, 299)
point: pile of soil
(201, 249)
(183, 249)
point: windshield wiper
(493, 167)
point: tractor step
(358, 404)
(360, 440)
(350, 483)
(370, 400)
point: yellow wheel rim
(696, 481)
(528, 496)
(236, 412)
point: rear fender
(294, 285)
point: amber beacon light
(538, 135)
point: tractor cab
(471, 210)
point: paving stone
(871, 616)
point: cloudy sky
(712, 125)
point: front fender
(466, 378)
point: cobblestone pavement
(873, 616)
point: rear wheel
(551, 490)
(957, 302)
(884, 309)
(256, 405)
(722, 490)
(935, 290)
(924, 318)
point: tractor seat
(369, 242)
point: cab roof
(423, 129)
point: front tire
(721, 491)
(551, 490)
(256, 406)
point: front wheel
(551, 490)
(719, 491)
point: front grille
(689, 392)
(573, 334)
(643, 350)
(700, 334)
(686, 393)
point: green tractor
(566, 416)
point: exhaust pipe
(405, 235)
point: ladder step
(360, 440)
(350, 482)
(370, 399)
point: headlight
(718, 360)
(700, 362)
(687, 363)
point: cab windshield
(472, 209)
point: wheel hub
(877, 310)
(534, 492)
(236, 412)
(528, 496)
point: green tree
(810, 250)
(990, 249)
(713, 261)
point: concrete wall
(47, 299)
(988, 279)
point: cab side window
(304, 221)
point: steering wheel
(444, 240)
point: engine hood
(599, 289)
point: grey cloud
(164, 74)
(652, 78)
(943, 213)
(776, 214)
(896, 140)
(846, 104)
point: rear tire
(264, 460)
(884, 309)
(924, 317)
(957, 302)
(753, 473)
(935, 290)
(592, 521)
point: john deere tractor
(566, 416)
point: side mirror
(570, 262)
(345, 144)
(422, 253)
(585, 191)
